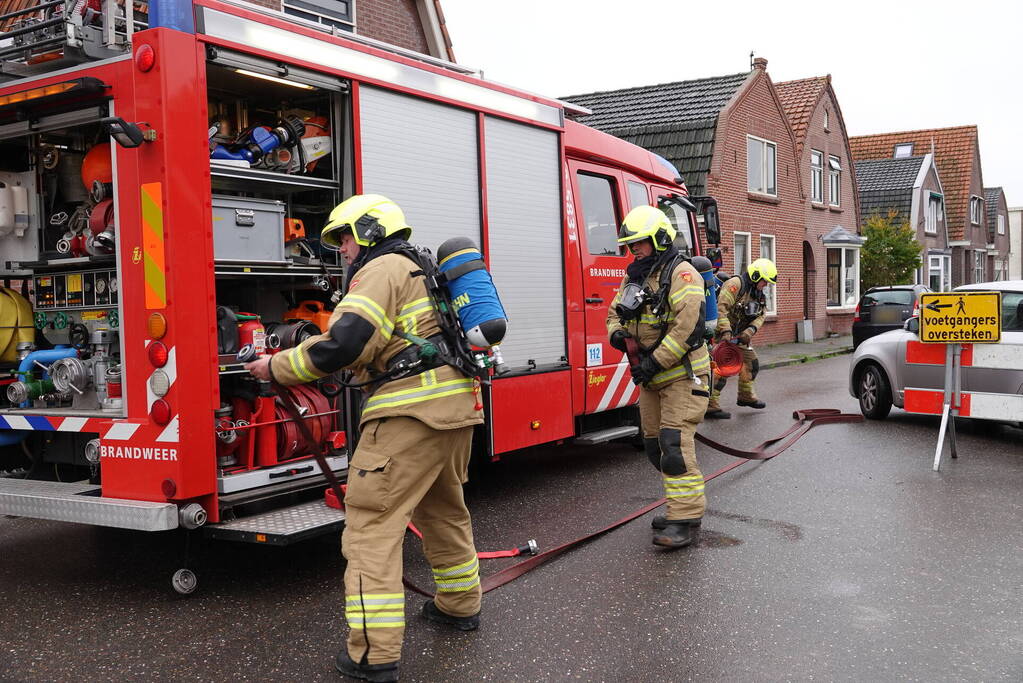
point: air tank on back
(706, 270)
(473, 294)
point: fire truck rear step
(604, 435)
(81, 502)
(283, 526)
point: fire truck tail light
(160, 412)
(145, 58)
(159, 383)
(157, 325)
(169, 488)
(157, 354)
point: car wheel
(875, 393)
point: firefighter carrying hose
(416, 432)
(741, 309)
(657, 317)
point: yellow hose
(16, 323)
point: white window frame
(976, 210)
(817, 177)
(903, 150)
(834, 181)
(942, 263)
(1001, 224)
(321, 16)
(979, 265)
(769, 292)
(764, 167)
(736, 266)
(931, 218)
(845, 251)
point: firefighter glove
(746, 336)
(618, 338)
(645, 371)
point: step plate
(604, 435)
(281, 527)
(82, 503)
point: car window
(1012, 312)
(901, 297)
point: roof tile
(799, 98)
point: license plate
(885, 315)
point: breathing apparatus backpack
(468, 310)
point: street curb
(809, 358)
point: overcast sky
(895, 65)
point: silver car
(879, 374)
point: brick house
(830, 266)
(1016, 243)
(731, 139)
(997, 214)
(416, 25)
(957, 155)
(910, 188)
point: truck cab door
(600, 200)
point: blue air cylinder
(472, 292)
(710, 284)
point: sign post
(954, 319)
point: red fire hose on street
(805, 421)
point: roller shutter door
(524, 216)
(424, 156)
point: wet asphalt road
(846, 558)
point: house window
(939, 272)
(843, 277)
(933, 214)
(333, 13)
(827, 119)
(979, 258)
(761, 166)
(637, 194)
(598, 209)
(1001, 224)
(816, 176)
(767, 251)
(742, 259)
(834, 181)
(976, 210)
(904, 150)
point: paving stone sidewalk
(778, 355)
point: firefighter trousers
(403, 471)
(669, 417)
(747, 375)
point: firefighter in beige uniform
(413, 453)
(741, 310)
(674, 366)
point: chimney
(760, 63)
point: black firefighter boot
(677, 533)
(660, 521)
(751, 403)
(434, 614)
(376, 673)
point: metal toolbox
(246, 229)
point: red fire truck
(162, 194)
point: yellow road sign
(961, 318)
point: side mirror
(912, 325)
(708, 208)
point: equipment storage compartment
(246, 229)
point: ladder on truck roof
(38, 36)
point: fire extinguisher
(251, 331)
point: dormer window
(904, 151)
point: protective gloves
(645, 371)
(618, 338)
